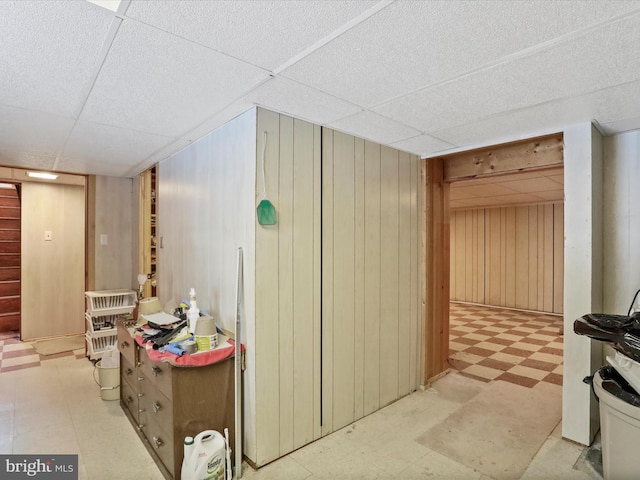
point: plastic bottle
(206, 457)
(194, 312)
(188, 450)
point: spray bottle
(193, 313)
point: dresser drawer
(161, 443)
(126, 344)
(129, 399)
(156, 406)
(128, 374)
(158, 373)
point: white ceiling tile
(423, 145)
(24, 159)
(263, 33)
(107, 150)
(34, 132)
(372, 126)
(155, 82)
(412, 44)
(622, 125)
(217, 120)
(558, 73)
(301, 101)
(49, 52)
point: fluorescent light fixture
(46, 176)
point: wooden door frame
(437, 173)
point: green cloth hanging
(265, 210)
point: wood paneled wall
(509, 256)
(287, 268)
(371, 300)
(207, 193)
(52, 271)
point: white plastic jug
(204, 459)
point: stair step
(8, 274)
(9, 304)
(9, 289)
(9, 322)
(10, 235)
(10, 223)
(10, 259)
(9, 247)
(9, 202)
(10, 212)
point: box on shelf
(110, 302)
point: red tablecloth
(223, 351)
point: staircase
(9, 259)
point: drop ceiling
(115, 87)
(525, 188)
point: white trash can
(108, 381)
(619, 430)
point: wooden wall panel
(509, 256)
(53, 277)
(468, 255)
(370, 287)
(372, 332)
(389, 289)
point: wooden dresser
(166, 403)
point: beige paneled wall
(509, 256)
(370, 277)
(52, 271)
(288, 288)
(113, 218)
(206, 198)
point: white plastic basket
(110, 302)
(102, 325)
(97, 345)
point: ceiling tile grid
(48, 53)
(156, 83)
(427, 77)
(263, 33)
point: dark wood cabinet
(166, 403)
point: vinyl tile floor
(490, 343)
(55, 408)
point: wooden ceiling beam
(531, 154)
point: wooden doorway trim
(435, 307)
(437, 173)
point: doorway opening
(10, 258)
(486, 167)
(506, 277)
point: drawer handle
(158, 442)
(156, 407)
(140, 379)
(129, 399)
(156, 371)
(141, 410)
(128, 371)
(140, 395)
(124, 344)
(140, 426)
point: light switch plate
(48, 235)
(103, 239)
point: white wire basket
(110, 302)
(97, 345)
(102, 325)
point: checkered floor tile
(17, 355)
(488, 343)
